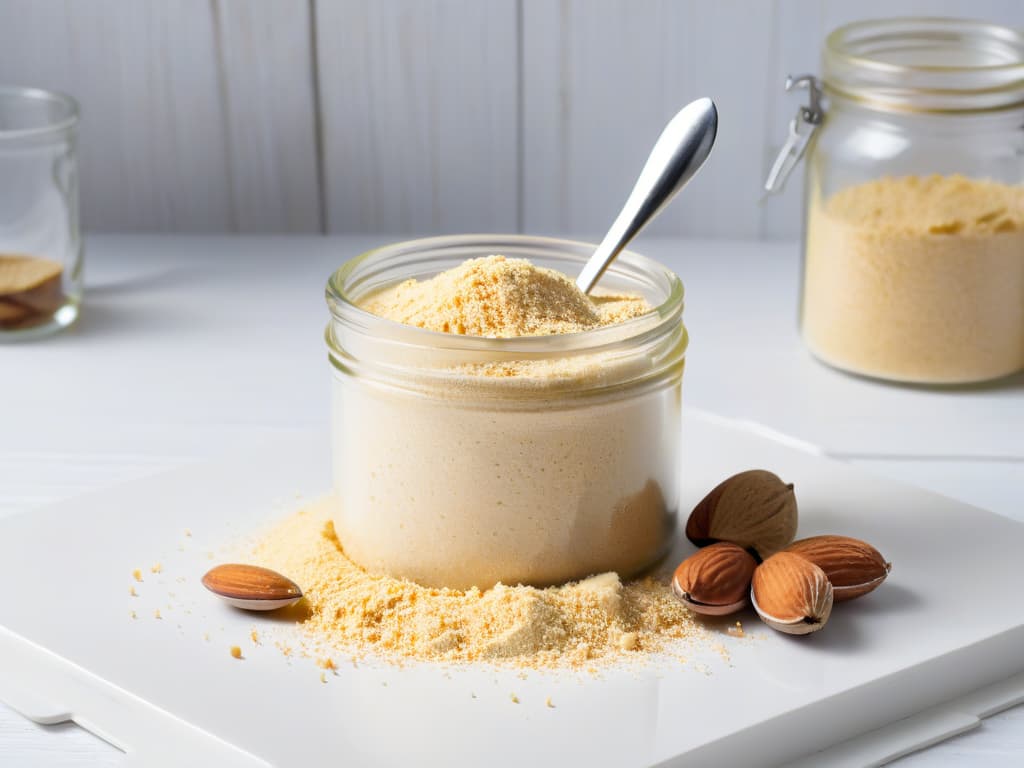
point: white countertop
(187, 345)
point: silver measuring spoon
(678, 154)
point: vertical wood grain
(454, 115)
(152, 129)
(730, 41)
(419, 114)
(601, 79)
(196, 115)
(265, 58)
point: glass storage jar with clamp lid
(913, 240)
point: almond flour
(917, 279)
(579, 625)
(497, 297)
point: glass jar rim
(67, 120)
(889, 64)
(344, 308)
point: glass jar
(914, 229)
(40, 244)
(463, 461)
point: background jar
(40, 243)
(451, 473)
(912, 273)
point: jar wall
(450, 494)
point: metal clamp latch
(801, 128)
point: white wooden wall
(420, 116)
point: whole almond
(853, 567)
(715, 580)
(791, 594)
(753, 509)
(251, 587)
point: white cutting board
(949, 621)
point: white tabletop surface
(187, 345)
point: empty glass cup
(40, 243)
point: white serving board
(949, 621)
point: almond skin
(715, 580)
(791, 594)
(251, 587)
(853, 567)
(753, 509)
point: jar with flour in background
(914, 231)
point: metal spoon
(678, 154)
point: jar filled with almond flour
(494, 424)
(913, 244)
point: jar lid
(926, 65)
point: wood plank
(200, 115)
(419, 115)
(600, 81)
(268, 91)
(152, 133)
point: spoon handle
(678, 154)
